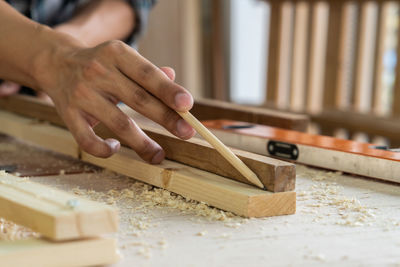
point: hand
(86, 83)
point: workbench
(340, 220)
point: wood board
(226, 194)
(41, 252)
(53, 213)
(277, 176)
(315, 150)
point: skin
(85, 75)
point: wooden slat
(279, 54)
(315, 150)
(299, 66)
(241, 199)
(207, 109)
(319, 29)
(335, 34)
(38, 133)
(346, 56)
(275, 175)
(44, 253)
(365, 57)
(396, 89)
(53, 213)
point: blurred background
(332, 60)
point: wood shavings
(10, 231)
(202, 233)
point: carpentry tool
(315, 150)
(221, 148)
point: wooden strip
(395, 110)
(275, 175)
(199, 185)
(44, 253)
(208, 109)
(222, 149)
(336, 12)
(315, 150)
(41, 134)
(378, 106)
(319, 29)
(299, 66)
(365, 57)
(279, 54)
(53, 213)
(346, 56)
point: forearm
(23, 44)
(100, 21)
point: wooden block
(41, 252)
(53, 213)
(226, 194)
(208, 109)
(50, 137)
(276, 175)
(315, 150)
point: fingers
(150, 77)
(170, 72)
(125, 128)
(143, 102)
(87, 139)
(9, 88)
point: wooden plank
(208, 109)
(396, 89)
(53, 213)
(279, 54)
(41, 134)
(300, 51)
(45, 253)
(365, 57)
(316, 74)
(315, 150)
(226, 194)
(275, 175)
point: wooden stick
(53, 213)
(45, 253)
(217, 191)
(221, 148)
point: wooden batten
(53, 213)
(217, 191)
(45, 253)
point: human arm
(85, 83)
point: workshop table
(340, 220)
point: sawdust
(10, 231)
(326, 198)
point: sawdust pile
(325, 198)
(10, 231)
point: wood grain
(45, 253)
(222, 149)
(53, 213)
(199, 185)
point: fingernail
(183, 100)
(113, 144)
(184, 129)
(157, 158)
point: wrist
(52, 47)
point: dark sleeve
(142, 10)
